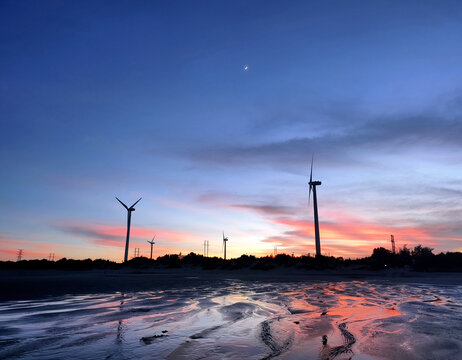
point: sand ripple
(238, 319)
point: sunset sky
(153, 99)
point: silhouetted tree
(404, 256)
(244, 261)
(382, 258)
(422, 257)
(171, 261)
(422, 251)
(451, 261)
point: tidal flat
(241, 319)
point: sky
(211, 112)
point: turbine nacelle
(311, 182)
(131, 208)
(152, 241)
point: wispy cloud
(109, 235)
(267, 209)
(393, 134)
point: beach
(196, 314)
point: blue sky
(138, 98)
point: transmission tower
(393, 249)
(20, 254)
(275, 250)
(137, 252)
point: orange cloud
(346, 236)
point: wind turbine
(225, 239)
(129, 216)
(313, 185)
(152, 243)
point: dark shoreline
(40, 284)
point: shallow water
(241, 320)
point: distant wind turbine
(129, 216)
(313, 185)
(225, 239)
(152, 243)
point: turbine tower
(129, 216)
(206, 248)
(313, 185)
(152, 243)
(225, 239)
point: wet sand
(194, 318)
(26, 284)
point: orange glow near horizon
(340, 236)
(346, 236)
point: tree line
(420, 258)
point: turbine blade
(125, 206)
(311, 179)
(309, 195)
(135, 203)
(311, 172)
(153, 237)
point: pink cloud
(109, 235)
(341, 234)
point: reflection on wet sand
(120, 328)
(252, 320)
